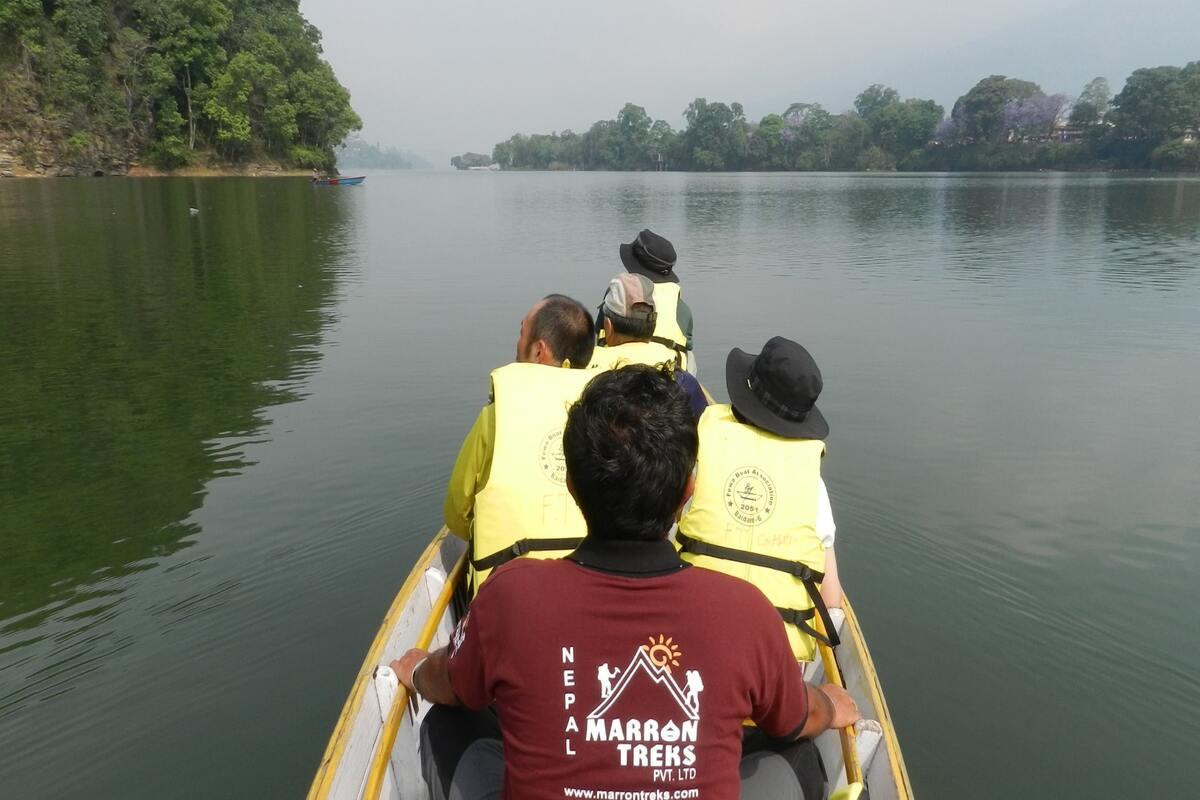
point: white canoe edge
(343, 771)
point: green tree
(83, 25)
(808, 136)
(766, 146)
(1092, 103)
(980, 112)
(901, 127)
(632, 138)
(1177, 156)
(848, 137)
(1154, 104)
(875, 98)
(716, 137)
(663, 141)
(323, 114)
(187, 36)
(874, 159)
(160, 77)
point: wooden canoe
(373, 750)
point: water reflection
(1011, 463)
(139, 345)
(1151, 231)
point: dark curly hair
(630, 446)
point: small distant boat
(339, 181)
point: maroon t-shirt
(611, 683)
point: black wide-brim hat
(650, 255)
(777, 389)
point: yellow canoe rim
(341, 731)
(883, 715)
(391, 726)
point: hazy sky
(445, 76)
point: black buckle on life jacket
(794, 616)
(805, 573)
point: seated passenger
(760, 511)
(653, 257)
(626, 319)
(620, 669)
(508, 494)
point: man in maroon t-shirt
(621, 668)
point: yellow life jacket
(754, 516)
(666, 305)
(524, 508)
(666, 330)
(650, 353)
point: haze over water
(224, 439)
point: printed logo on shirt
(647, 717)
(551, 458)
(750, 496)
(460, 633)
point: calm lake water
(224, 440)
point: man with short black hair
(559, 332)
(682, 655)
(507, 494)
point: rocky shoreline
(16, 157)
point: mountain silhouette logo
(686, 697)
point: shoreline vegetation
(114, 87)
(1001, 124)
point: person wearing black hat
(653, 256)
(760, 511)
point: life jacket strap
(522, 547)
(810, 577)
(794, 616)
(671, 343)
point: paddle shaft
(833, 674)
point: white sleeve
(826, 529)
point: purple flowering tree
(1035, 115)
(947, 130)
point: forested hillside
(98, 85)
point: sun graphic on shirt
(663, 652)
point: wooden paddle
(833, 674)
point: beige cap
(626, 292)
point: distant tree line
(1001, 123)
(355, 152)
(169, 80)
(469, 160)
